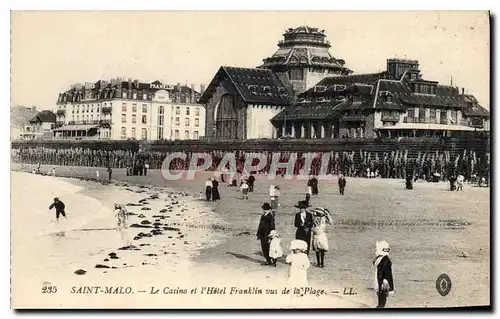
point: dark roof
(476, 110)
(368, 78)
(433, 100)
(44, 116)
(253, 85)
(309, 110)
(447, 90)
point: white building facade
(148, 111)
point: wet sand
(454, 222)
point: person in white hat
(275, 250)
(299, 263)
(320, 241)
(384, 283)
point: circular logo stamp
(443, 285)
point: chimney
(136, 84)
(463, 91)
(178, 94)
(202, 88)
(193, 95)
(33, 108)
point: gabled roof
(253, 85)
(43, 117)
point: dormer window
(253, 89)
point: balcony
(106, 109)
(94, 122)
(353, 118)
(390, 118)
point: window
(195, 135)
(443, 117)
(134, 118)
(160, 133)
(144, 134)
(296, 74)
(160, 120)
(186, 121)
(161, 109)
(124, 118)
(98, 108)
(409, 117)
(135, 96)
(124, 107)
(134, 108)
(421, 116)
(144, 119)
(177, 110)
(176, 134)
(432, 116)
(197, 111)
(177, 121)
(144, 108)
(196, 122)
(124, 133)
(144, 96)
(454, 117)
(186, 134)
(416, 114)
(133, 132)
(78, 117)
(188, 111)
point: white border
(185, 5)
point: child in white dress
(275, 250)
(320, 240)
(299, 264)
(244, 190)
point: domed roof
(305, 46)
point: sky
(52, 50)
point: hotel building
(121, 110)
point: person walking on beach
(313, 184)
(303, 223)
(275, 250)
(251, 183)
(342, 183)
(215, 190)
(299, 264)
(266, 225)
(320, 241)
(383, 283)
(110, 172)
(38, 166)
(146, 167)
(244, 190)
(54, 172)
(208, 189)
(97, 174)
(59, 206)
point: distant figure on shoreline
(342, 183)
(251, 183)
(215, 190)
(244, 190)
(38, 166)
(97, 174)
(110, 172)
(460, 183)
(54, 172)
(313, 186)
(59, 206)
(208, 189)
(121, 215)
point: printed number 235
(49, 289)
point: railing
(390, 118)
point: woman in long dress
(215, 190)
(320, 240)
(208, 189)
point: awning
(75, 128)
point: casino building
(302, 91)
(121, 110)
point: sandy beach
(215, 245)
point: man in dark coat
(266, 224)
(342, 184)
(110, 172)
(59, 206)
(304, 224)
(251, 182)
